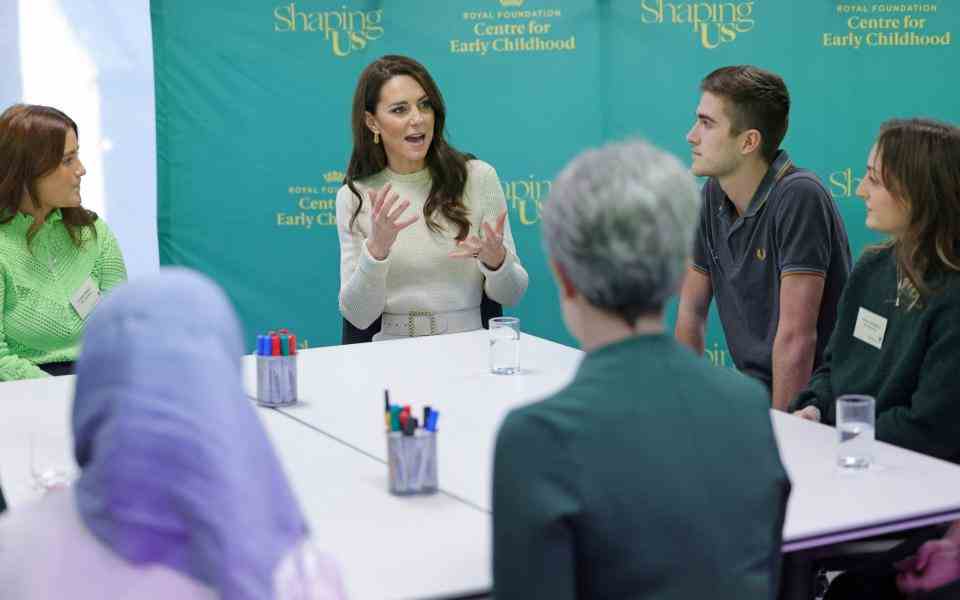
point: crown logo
(333, 176)
(511, 2)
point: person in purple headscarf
(181, 494)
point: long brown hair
(448, 166)
(32, 141)
(920, 165)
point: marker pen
(386, 408)
(394, 417)
(275, 345)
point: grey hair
(620, 222)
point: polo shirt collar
(781, 162)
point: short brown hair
(758, 99)
(32, 141)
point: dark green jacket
(914, 375)
(651, 475)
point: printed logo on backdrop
(513, 27)
(719, 356)
(712, 24)
(346, 30)
(870, 25)
(310, 206)
(525, 198)
(844, 183)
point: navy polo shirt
(791, 226)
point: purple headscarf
(176, 467)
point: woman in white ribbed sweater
(423, 228)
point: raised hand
(489, 248)
(385, 221)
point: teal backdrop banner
(253, 106)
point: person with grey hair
(629, 482)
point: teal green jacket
(651, 475)
(39, 324)
(914, 375)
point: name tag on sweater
(870, 328)
(85, 298)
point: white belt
(423, 322)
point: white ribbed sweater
(418, 275)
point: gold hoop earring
(376, 137)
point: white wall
(93, 59)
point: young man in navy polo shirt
(770, 245)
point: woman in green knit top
(56, 257)
(898, 327)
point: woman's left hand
(489, 248)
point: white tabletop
(332, 447)
(37, 410)
(902, 490)
(343, 388)
(387, 547)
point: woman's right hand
(384, 223)
(810, 413)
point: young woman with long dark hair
(423, 227)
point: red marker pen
(275, 345)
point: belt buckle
(413, 314)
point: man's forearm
(792, 365)
(689, 332)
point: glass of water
(51, 465)
(504, 345)
(856, 415)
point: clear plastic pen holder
(412, 462)
(277, 380)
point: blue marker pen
(260, 338)
(265, 351)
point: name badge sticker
(870, 328)
(85, 298)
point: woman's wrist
(499, 263)
(376, 251)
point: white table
(333, 449)
(387, 547)
(903, 490)
(344, 386)
(37, 409)
(341, 389)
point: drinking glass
(504, 345)
(855, 431)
